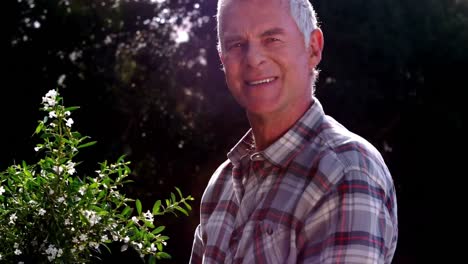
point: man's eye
(235, 45)
(270, 40)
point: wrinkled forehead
(226, 7)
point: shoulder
(339, 154)
(218, 181)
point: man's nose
(254, 56)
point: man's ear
(315, 48)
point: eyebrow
(272, 32)
(266, 33)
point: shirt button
(256, 156)
(269, 231)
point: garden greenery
(48, 213)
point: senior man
(298, 187)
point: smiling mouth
(263, 81)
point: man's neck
(270, 127)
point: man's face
(266, 63)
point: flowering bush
(50, 214)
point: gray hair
(301, 11)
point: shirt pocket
(272, 242)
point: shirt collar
(283, 150)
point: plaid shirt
(319, 194)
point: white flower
(69, 122)
(135, 219)
(51, 94)
(124, 247)
(42, 211)
(115, 238)
(52, 114)
(82, 190)
(1, 257)
(52, 252)
(37, 149)
(67, 113)
(49, 99)
(81, 247)
(100, 174)
(58, 169)
(2, 190)
(67, 221)
(13, 218)
(52, 124)
(60, 199)
(126, 239)
(75, 240)
(15, 245)
(71, 171)
(153, 248)
(92, 217)
(51, 191)
(94, 245)
(104, 238)
(149, 216)
(138, 245)
(70, 167)
(59, 253)
(74, 149)
(83, 237)
(18, 252)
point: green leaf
(121, 158)
(158, 230)
(180, 193)
(39, 127)
(101, 194)
(138, 206)
(87, 144)
(108, 249)
(163, 238)
(148, 224)
(187, 205)
(159, 246)
(163, 255)
(156, 207)
(71, 108)
(180, 209)
(126, 211)
(152, 259)
(173, 198)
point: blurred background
(149, 83)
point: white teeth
(261, 81)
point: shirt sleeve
(197, 248)
(355, 223)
